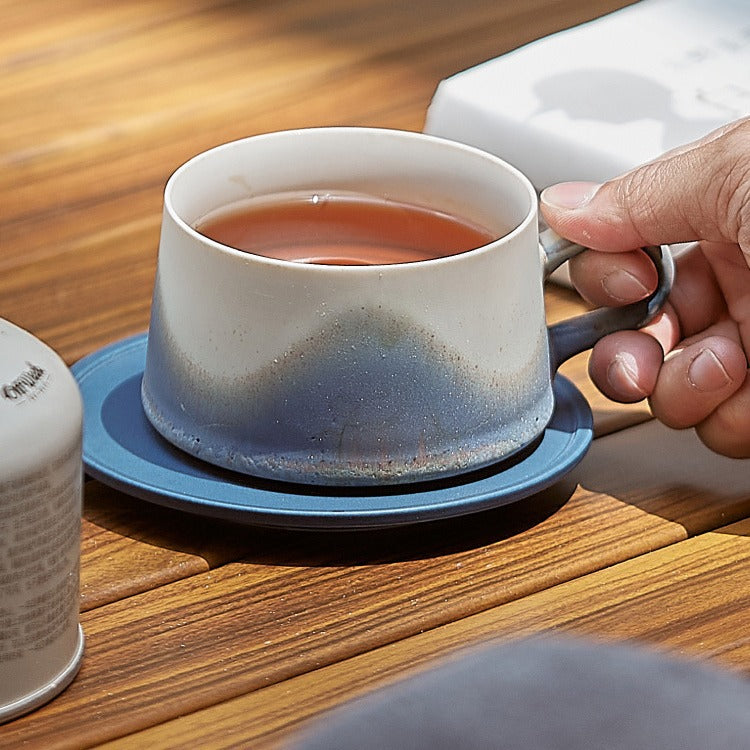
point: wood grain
(298, 602)
(129, 546)
(691, 599)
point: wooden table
(205, 634)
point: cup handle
(578, 334)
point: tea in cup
(356, 306)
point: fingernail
(622, 375)
(706, 373)
(624, 286)
(569, 195)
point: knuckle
(742, 211)
(638, 194)
(700, 192)
(730, 200)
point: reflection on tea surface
(341, 229)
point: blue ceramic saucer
(122, 450)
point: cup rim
(222, 248)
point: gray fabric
(548, 695)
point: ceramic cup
(360, 375)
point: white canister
(41, 640)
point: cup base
(320, 470)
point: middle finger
(614, 279)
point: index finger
(699, 192)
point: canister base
(47, 692)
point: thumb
(698, 192)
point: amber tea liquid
(341, 229)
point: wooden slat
(129, 546)
(691, 599)
(298, 602)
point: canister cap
(40, 405)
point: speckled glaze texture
(367, 399)
(354, 375)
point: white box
(593, 101)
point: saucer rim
(107, 461)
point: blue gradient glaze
(367, 399)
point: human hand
(699, 192)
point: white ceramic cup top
(355, 375)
